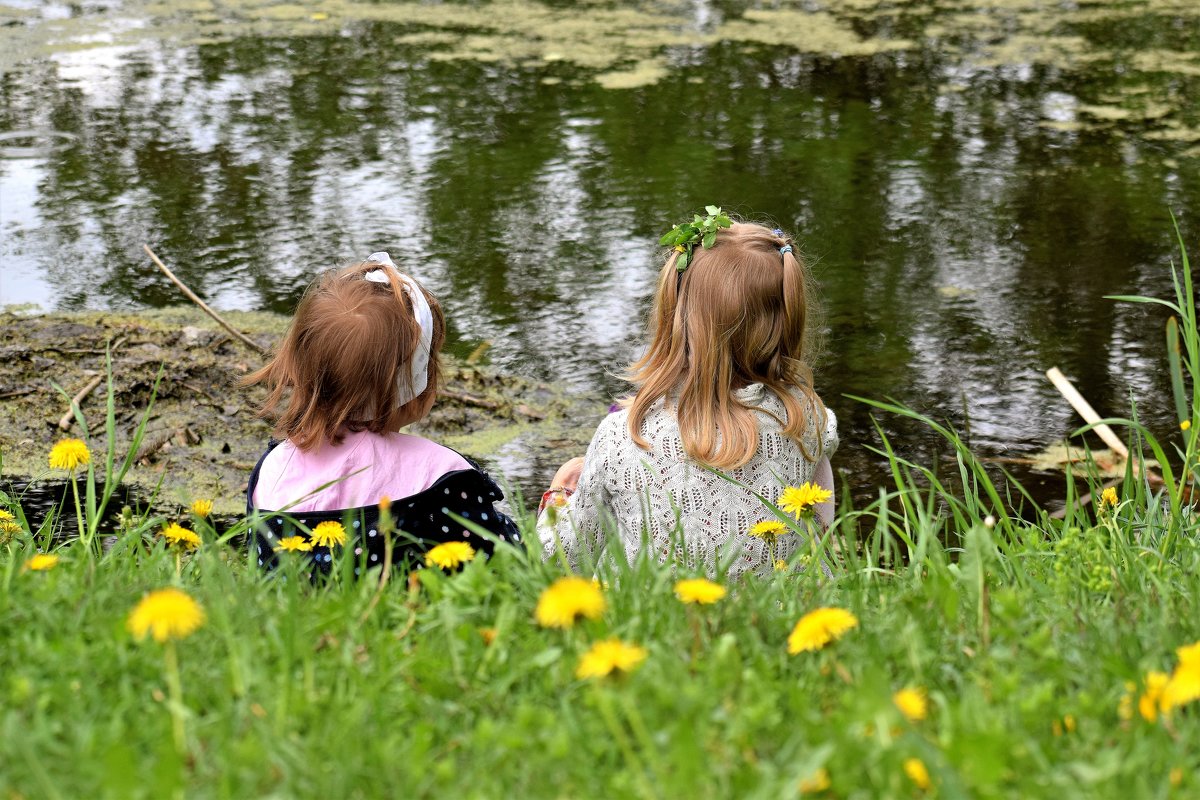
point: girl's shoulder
(418, 448)
(822, 419)
(449, 471)
(761, 396)
(613, 429)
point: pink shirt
(394, 465)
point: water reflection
(964, 234)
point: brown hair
(337, 366)
(738, 315)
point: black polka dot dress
(422, 521)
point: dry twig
(1085, 410)
(203, 306)
(64, 422)
(470, 400)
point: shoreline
(202, 437)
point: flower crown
(684, 237)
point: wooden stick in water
(204, 306)
(1086, 411)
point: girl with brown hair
(723, 386)
(359, 362)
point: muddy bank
(203, 437)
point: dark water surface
(968, 181)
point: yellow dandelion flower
(6, 515)
(294, 544)
(449, 555)
(699, 590)
(568, 599)
(780, 565)
(1151, 699)
(1189, 654)
(1108, 497)
(915, 769)
(179, 536)
(799, 501)
(913, 703)
(819, 627)
(69, 454)
(165, 614)
(608, 656)
(1183, 687)
(1065, 725)
(815, 783)
(1185, 425)
(202, 508)
(488, 635)
(327, 534)
(42, 562)
(769, 529)
(9, 528)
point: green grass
(1024, 633)
(290, 693)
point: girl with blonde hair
(724, 386)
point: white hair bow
(418, 377)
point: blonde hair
(337, 366)
(738, 315)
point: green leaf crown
(701, 230)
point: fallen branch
(471, 400)
(1072, 395)
(64, 423)
(204, 306)
(1085, 410)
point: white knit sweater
(663, 491)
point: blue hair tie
(787, 248)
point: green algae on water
(641, 74)
(627, 45)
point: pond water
(968, 178)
